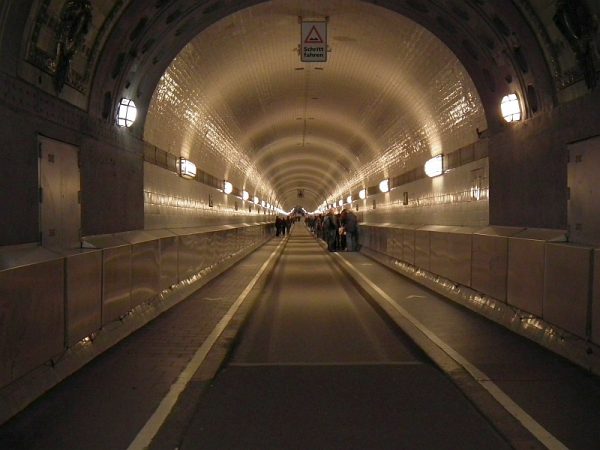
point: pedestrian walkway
(105, 404)
(316, 366)
(559, 397)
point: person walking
(330, 230)
(350, 224)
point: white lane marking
(327, 364)
(414, 296)
(147, 433)
(543, 435)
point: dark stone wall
(112, 188)
(528, 165)
(111, 164)
(18, 180)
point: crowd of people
(283, 225)
(338, 230)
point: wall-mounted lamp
(349, 199)
(256, 200)
(245, 195)
(227, 187)
(435, 166)
(362, 194)
(384, 186)
(126, 113)
(186, 169)
(511, 108)
(340, 202)
(264, 204)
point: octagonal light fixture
(511, 108)
(186, 168)
(384, 185)
(126, 113)
(434, 166)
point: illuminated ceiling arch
(391, 93)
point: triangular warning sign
(313, 37)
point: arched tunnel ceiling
(239, 103)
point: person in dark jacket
(330, 230)
(350, 224)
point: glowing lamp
(349, 199)
(434, 166)
(245, 195)
(126, 113)
(511, 108)
(227, 187)
(362, 194)
(384, 186)
(186, 169)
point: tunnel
(150, 147)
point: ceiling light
(245, 195)
(256, 200)
(227, 187)
(349, 199)
(384, 186)
(186, 169)
(340, 202)
(362, 194)
(126, 113)
(434, 166)
(511, 108)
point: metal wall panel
(408, 245)
(525, 276)
(526, 266)
(145, 271)
(168, 262)
(60, 209)
(190, 256)
(458, 267)
(394, 242)
(450, 253)
(422, 249)
(32, 322)
(490, 265)
(116, 282)
(381, 239)
(596, 299)
(83, 295)
(567, 286)
(584, 195)
(438, 253)
(489, 269)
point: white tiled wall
(173, 202)
(444, 200)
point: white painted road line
(150, 429)
(543, 435)
(328, 364)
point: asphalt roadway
(317, 367)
